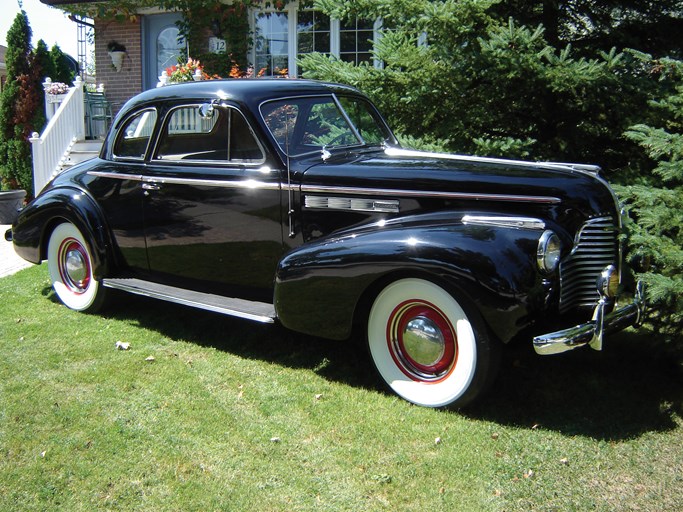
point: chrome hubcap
(423, 341)
(74, 266)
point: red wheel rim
(422, 341)
(74, 265)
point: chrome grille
(596, 246)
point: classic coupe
(291, 201)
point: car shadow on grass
(633, 386)
(630, 388)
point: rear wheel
(70, 264)
(426, 347)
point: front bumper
(592, 333)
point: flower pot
(55, 98)
(117, 59)
(10, 203)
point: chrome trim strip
(324, 189)
(393, 151)
(241, 184)
(505, 222)
(200, 182)
(351, 204)
(116, 175)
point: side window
(134, 136)
(281, 118)
(364, 119)
(195, 133)
(325, 125)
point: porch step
(250, 310)
(80, 152)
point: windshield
(305, 125)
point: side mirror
(206, 111)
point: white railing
(66, 125)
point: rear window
(134, 136)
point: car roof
(247, 91)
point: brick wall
(119, 86)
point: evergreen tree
(62, 66)
(43, 59)
(476, 85)
(646, 25)
(15, 154)
(656, 206)
(41, 68)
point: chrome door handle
(150, 186)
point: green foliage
(62, 67)
(656, 207)
(492, 88)
(42, 66)
(603, 24)
(18, 104)
(43, 60)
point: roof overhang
(66, 2)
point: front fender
(319, 285)
(31, 232)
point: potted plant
(116, 52)
(11, 202)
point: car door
(211, 205)
(116, 183)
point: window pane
(347, 42)
(271, 39)
(134, 136)
(243, 146)
(223, 136)
(356, 40)
(280, 118)
(313, 32)
(365, 119)
(305, 125)
(170, 46)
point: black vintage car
(292, 201)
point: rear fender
(320, 284)
(31, 233)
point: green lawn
(231, 415)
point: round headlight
(548, 255)
(608, 282)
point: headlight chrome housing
(548, 254)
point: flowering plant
(236, 72)
(57, 88)
(186, 72)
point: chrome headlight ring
(549, 251)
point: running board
(258, 311)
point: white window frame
(292, 10)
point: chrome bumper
(592, 333)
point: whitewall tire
(426, 347)
(70, 264)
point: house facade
(153, 43)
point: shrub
(655, 205)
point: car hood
(574, 192)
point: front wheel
(70, 265)
(427, 348)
